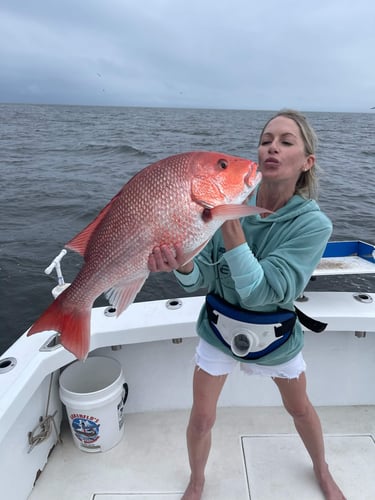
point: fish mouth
(252, 181)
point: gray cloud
(229, 54)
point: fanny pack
(249, 334)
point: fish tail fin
(72, 323)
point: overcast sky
(240, 54)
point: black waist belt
(312, 324)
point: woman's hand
(166, 259)
(233, 234)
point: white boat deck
(256, 455)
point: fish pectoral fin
(188, 256)
(230, 212)
(205, 192)
(123, 293)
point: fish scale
(161, 205)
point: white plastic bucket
(94, 393)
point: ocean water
(60, 165)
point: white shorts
(215, 362)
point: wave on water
(111, 149)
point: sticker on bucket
(86, 429)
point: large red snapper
(182, 199)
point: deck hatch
(137, 496)
(280, 463)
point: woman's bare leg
(206, 392)
(307, 423)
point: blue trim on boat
(358, 248)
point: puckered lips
(271, 161)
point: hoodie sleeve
(283, 274)
(189, 280)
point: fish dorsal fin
(80, 241)
(205, 192)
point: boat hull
(155, 343)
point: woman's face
(281, 152)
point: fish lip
(252, 182)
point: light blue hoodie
(269, 271)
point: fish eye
(222, 164)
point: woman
(259, 264)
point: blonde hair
(308, 182)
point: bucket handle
(126, 392)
